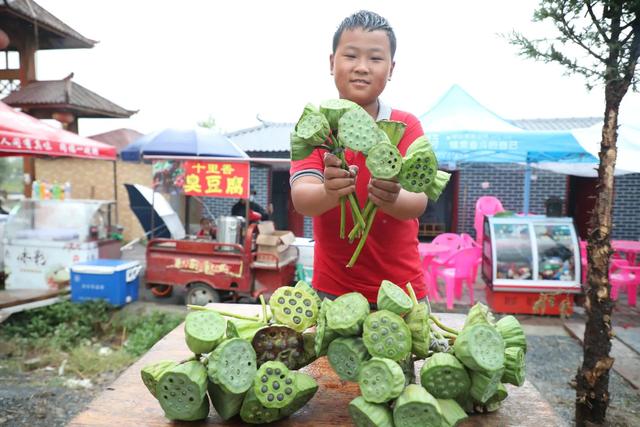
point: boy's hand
(383, 193)
(337, 181)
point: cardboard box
(272, 241)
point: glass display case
(531, 254)
(44, 238)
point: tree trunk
(592, 391)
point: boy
(361, 63)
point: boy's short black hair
(368, 21)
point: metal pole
(527, 188)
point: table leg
(432, 288)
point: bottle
(43, 189)
(67, 190)
(35, 190)
(56, 191)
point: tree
(607, 33)
(209, 123)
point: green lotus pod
(384, 161)
(279, 343)
(393, 129)
(386, 335)
(312, 127)
(226, 404)
(512, 332)
(334, 109)
(495, 401)
(347, 313)
(295, 308)
(418, 171)
(346, 355)
(151, 374)
(444, 376)
(416, 407)
(357, 130)
(241, 328)
(392, 298)
(324, 334)
(514, 366)
(367, 414)
(479, 313)
(254, 412)
(299, 149)
(408, 367)
(418, 322)
(434, 190)
(309, 352)
(204, 330)
(307, 287)
(380, 380)
(480, 348)
(307, 387)
(274, 385)
(452, 413)
(484, 384)
(420, 143)
(181, 391)
(233, 365)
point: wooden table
(128, 403)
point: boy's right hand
(337, 181)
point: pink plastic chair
(466, 241)
(583, 261)
(460, 267)
(450, 240)
(627, 279)
(485, 205)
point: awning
(21, 134)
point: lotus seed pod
(346, 355)
(384, 161)
(324, 334)
(444, 376)
(512, 332)
(312, 127)
(254, 412)
(495, 401)
(204, 330)
(367, 414)
(393, 129)
(387, 335)
(514, 366)
(274, 385)
(226, 404)
(392, 298)
(346, 314)
(151, 374)
(416, 407)
(435, 188)
(418, 171)
(307, 287)
(279, 343)
(380, 380)
(480, 348)
(295, 308)
(357, 130)
(484, 384)
(232, 365)
(307, 387)
(181, 391)
(452, 412)
(479, 313)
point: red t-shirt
(391, 250)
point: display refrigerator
(531, 264)
(44, 238)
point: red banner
(216, 179)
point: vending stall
(531, 264)
(44, 238)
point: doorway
(581, 202)
(441, 216)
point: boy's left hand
(383, 192)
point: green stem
(363, 239)
(343, 217)
(222, 312)
(357, 228)
(442, 326)
(188, 359)
(412, 294)
(355, 206)
(264, 309)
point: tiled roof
(53, 33)
(267, 137)
(556, 124)
(118, 138)
(65, 95)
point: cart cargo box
(274, 242)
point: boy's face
(361, 66)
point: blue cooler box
(113, 280)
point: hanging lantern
(4, 40)
(63, 117)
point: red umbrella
(21, 134)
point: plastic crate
(525, 303)
(113, 280)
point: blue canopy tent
(463, 130)
(175, 143)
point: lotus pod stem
(367, 414)
(363, 239)
(442, 326)
(484, 384)
(222, 312)
(444, 376)
(380, 380)
(226, 404)
(418, 322)
(452, 412)
(512, 332)
(416, 407)
(494, 402)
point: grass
(88, 339)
